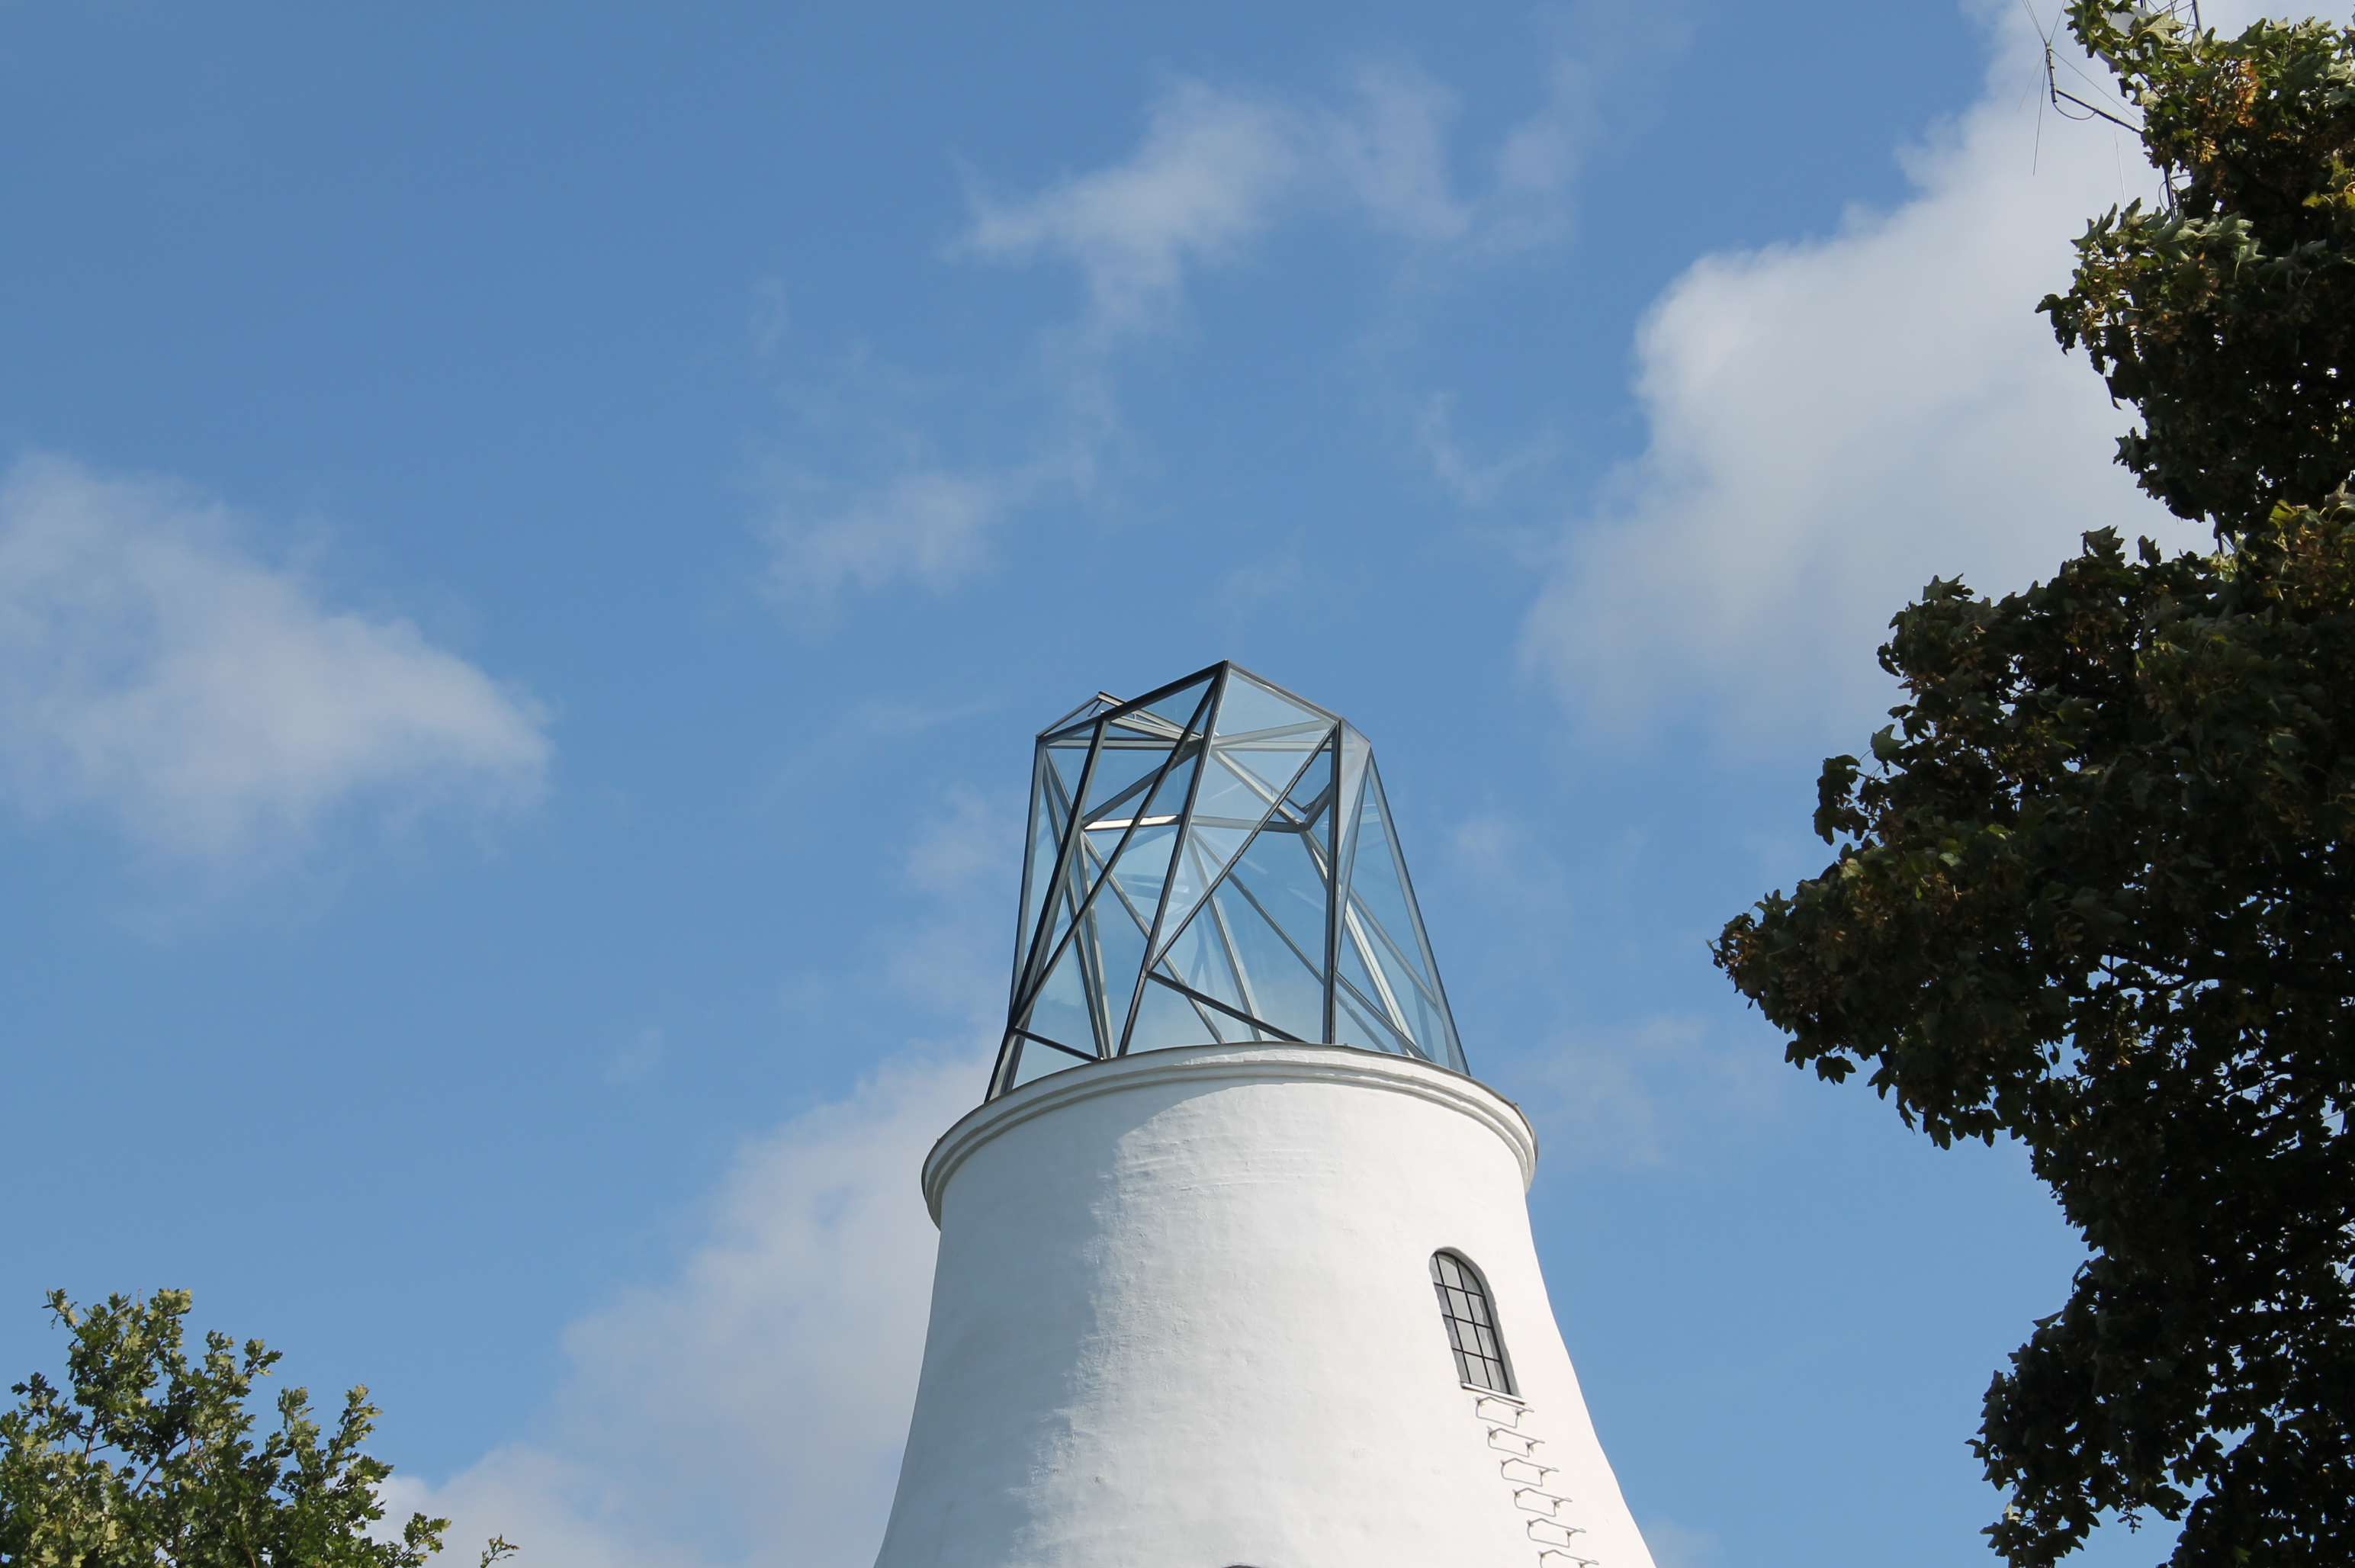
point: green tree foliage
(2227, 315)
(149, 1456)
(2096, 888)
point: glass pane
(1100, 845)
(1047, 820)
(1383, 899)
(1382, 982)
(1204, 855)
(1377, 880)
(1181, 708)
(1061, 1012)
(1268, 764)
(1349, 792)
(1124, 771)
(1232, 797)
(1037, 1061)
(1423, 1015)
(1143, 868)
(1068, 757)
(1470, 1325)
(1249, 704)
(1169, 796)
(1227, 812)
(1310, 800)
(1295, 849)
(1281, 982)
(1111, 816)
(1357, 1022)
(1455, 1043)
(1282, 879)
(1199, 960)
(1058, 776)
(1113, 940)
(1373, 996)
(1165, 1019)
(1096, 851)
(1063, 901)
(1141, 728)
(1129, 829)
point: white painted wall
(1183, 1318)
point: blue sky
(534, 539)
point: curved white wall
(1184, 1319)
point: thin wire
(2060, 96)
(2092, 85)
(2036, 154)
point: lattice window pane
(1471, 1322)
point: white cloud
(966, 845)
(1390, 154)
(1833, 422)
(1206, 177)
(1215, 169)
(637, 1059)
(1664, 1091)
(929, 525)
(1660, 1090)
(966, 854)
(1676, 1546)
(1541, 154)
(1475, 481)
(153, 669)
(751, 1408)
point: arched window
(1471, 1320)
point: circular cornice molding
(1226, 1064)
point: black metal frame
(1066, 915)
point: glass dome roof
(1214, 862)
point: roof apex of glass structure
(1214, 862)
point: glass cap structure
(1214, 862)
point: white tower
(1235, 1265)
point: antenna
(2174, 14)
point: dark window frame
(1468, 1309)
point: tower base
(1183, 1318)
